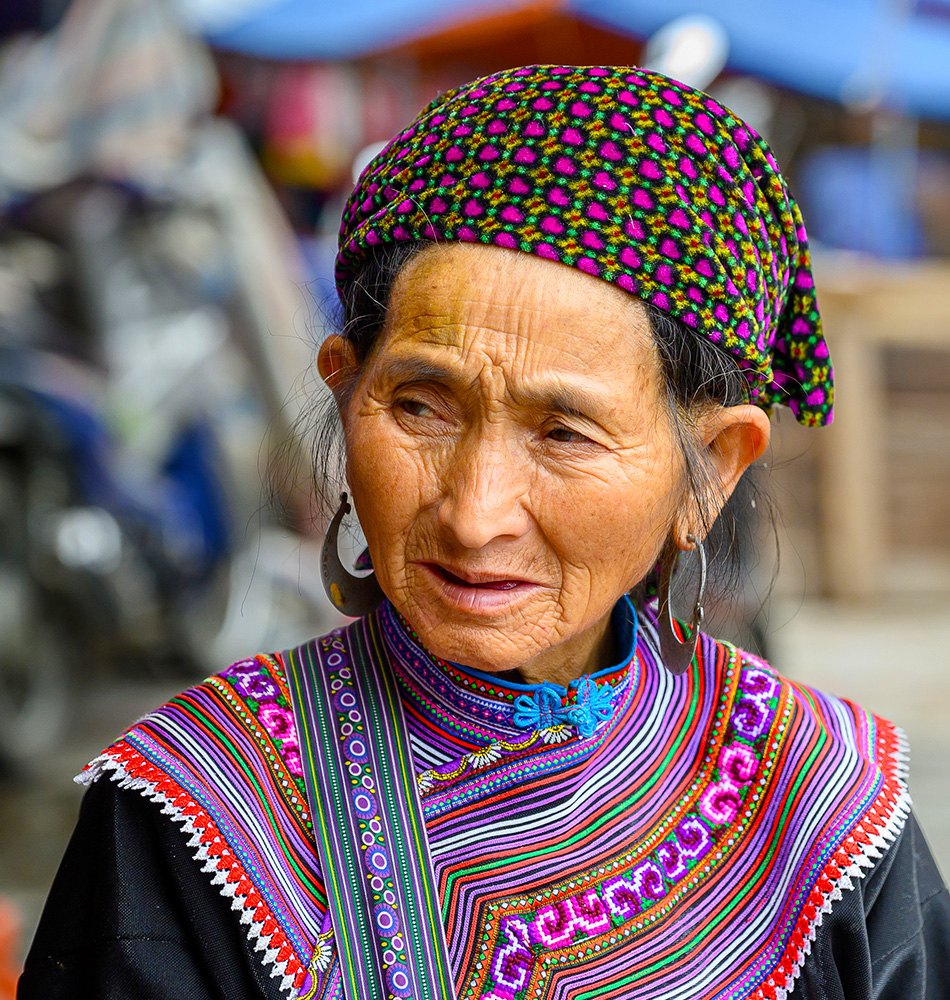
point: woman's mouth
(492, 584)
(482, 591)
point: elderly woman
(571, 297)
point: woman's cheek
(611, 524)
(389, 478)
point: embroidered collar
(486, 707)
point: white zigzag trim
(860, 863)
(105, 764)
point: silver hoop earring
(678, 653)
(355, 596)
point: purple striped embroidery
(622, 899)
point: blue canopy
(838, 49)
(342, 29)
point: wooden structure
(868, 307)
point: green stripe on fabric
(431, 911)
(325, 814)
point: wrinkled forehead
(449, 292)
(470, 308)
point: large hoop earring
(678, 653)
(355, 596)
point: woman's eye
(564, 435)
(415, 407)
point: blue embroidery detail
(593, 704)
(542, 709)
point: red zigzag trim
(129, 767)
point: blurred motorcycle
(150, 343)
(131, 524)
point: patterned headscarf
(626, 175)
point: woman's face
(510, 457)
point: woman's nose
(483, 493)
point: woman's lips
(492, 583)
(478, 591)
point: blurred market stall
(896, 50)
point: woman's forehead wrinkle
(438, 328)
(500, 378)
(524, 333)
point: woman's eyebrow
(418, 370)
(567, 400)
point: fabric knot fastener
(543, 709)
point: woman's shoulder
(241, 714)
(222, 761)
(799, 739)
(827, 765)
(809, 784)
(835, 724)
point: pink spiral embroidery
(762, 685)
(513, 962)
(590, 913)
(621, 898)
(720, 803)
(671, 858)
(749, 719)
(693, 837)
(738, 763)
(648, 881)
(554, 924)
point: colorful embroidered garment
(629, 176)
(684, 845)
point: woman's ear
(733, 437)
(336, 360)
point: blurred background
(171, 181)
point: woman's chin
(480, 648)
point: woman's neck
(592, 650)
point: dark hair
(697, 375)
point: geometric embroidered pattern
(686, 849)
